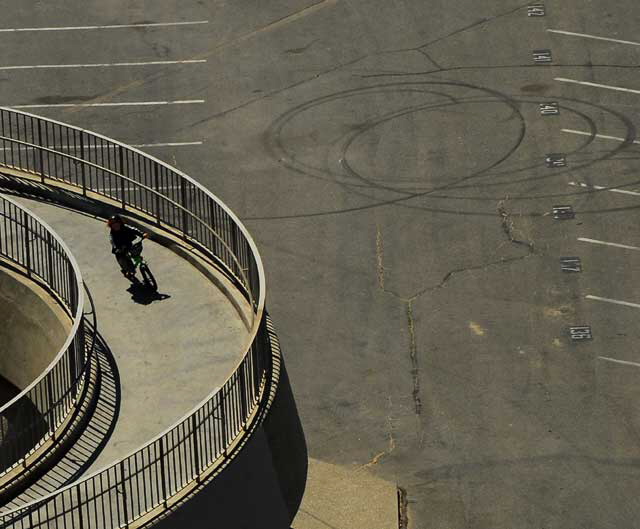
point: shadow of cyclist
(144, 295)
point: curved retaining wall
(160, 474)
(32, 330)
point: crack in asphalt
(477, 23)
(491, 67)
(380, 258)
(392, 441)
(415, 368)
(508, 227)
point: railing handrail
(228, 211)
(252, 371)
(146, 188)
(77, 317)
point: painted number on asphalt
(582, 332)
(571, 264)
(563, 212)
(536, 10)
(554, 160)
(542, 55)
(549, 109)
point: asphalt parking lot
(392, 161)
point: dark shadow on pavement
(144, 295)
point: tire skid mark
(279, 151)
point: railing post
(183, 203)
(27, 245)
(243, 394)
(162, 473)
(79, 500)
(52, 429)
(41, 151)
(196, 451)
(73, 297)
(156, 188)
(121, 157)
(124, 495)
(223, 424)
(83, 168)
(50, 260)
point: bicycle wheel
(147, 277)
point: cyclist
(122, 237)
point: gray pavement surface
(389, 158)
(171, 350)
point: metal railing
(112, 172)
(34, 415)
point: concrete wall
(33, 328)
(263, 487)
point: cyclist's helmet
(114, 219)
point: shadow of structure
(263, 485)
(21, 425)
(7, 391)
(86, 443)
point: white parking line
(111, 26)
(600, 136)
(624, 362)
(600, 188)
(605, 243)
(614, 301)
(130, 188)
(594, 37)
(120, 104)
(174, 144)
(138, 145)
(101, 65)
(596, 85)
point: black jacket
(122, 239)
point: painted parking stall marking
(110, 26)
(614, 301)
(91, 147)
(616, 361)
(596, 85)
(594, 37)
(102, 65)
(612, 244)
(114, 104)
(603, 188)
(599, 136)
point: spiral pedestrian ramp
(161, 408)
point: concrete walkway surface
(172, 349)
(340, 498)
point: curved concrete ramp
(172, 349)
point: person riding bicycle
(122, 237)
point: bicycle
(137, 261)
